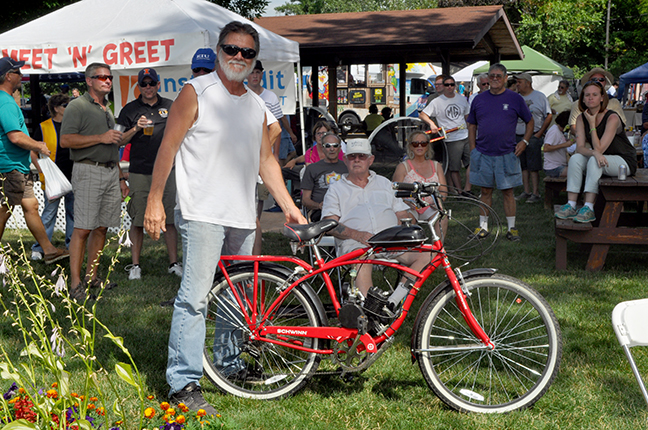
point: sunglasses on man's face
(232, 50)
(358, 156)
(201, 69)
(450, 84)
(601, 80)
(102, 78)
(148, 84)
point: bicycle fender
(279, 270)
(482, 271)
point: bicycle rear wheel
(514, 375)
(245, 367)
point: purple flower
(12, 391)
(171, 426)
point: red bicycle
(484, 342)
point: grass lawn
(595, 388)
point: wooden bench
(553, 188)
(567, 229)
(612, 226)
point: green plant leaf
(19, 425)
(84, 424)
(31, 349)
(126, 373)
(119, 341)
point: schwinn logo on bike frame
(295, 332)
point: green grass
(595, 388)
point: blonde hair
(429, 154)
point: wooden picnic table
(613, 226)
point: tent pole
(300, 97)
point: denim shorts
(498, 171)
(555, 173)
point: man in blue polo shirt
(15, 147)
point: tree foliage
(302, 7)
(23, 11)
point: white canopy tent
(129, 35)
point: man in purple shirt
(494, 151)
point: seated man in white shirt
(364, 204)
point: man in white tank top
(217, 135)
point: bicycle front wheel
(252, 368)
(470, 378)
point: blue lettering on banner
(171, 85)
(268, 77)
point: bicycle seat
(305, 232)
(408, 236)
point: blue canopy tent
(635, 76)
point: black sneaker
(191, 396)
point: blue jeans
(202, 245)
(49, 219)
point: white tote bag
(56, 184)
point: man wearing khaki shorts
(144, 120)
(15, 147)
(88, 130)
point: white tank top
(218, 161)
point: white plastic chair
(630, 323)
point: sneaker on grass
(522, 196)
(479, 233)
(513, 235)
(192, 397)
(585, 214)
(134, 271)
(566, 211)
(534, 198)
(175, 269)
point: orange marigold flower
(183, 407)
(101, 411)
(21, 390)
(93, 399)
(149, 412)
(170, 411)
(201, 413)
(180, 419)
(52, 394)
(91, 406)
(164, 406)
(55, 385)
(82, 397)
(150, 397)
(118, 423)
(74, 395)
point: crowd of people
(498, 140)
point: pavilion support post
(332, 88)
(402, 90)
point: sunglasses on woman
(419, 143)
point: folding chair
(630, 323)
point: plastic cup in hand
(148, 130)
(119, 128)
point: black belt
(109, 164)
